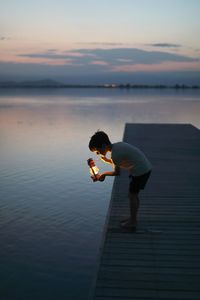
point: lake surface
(51, 213)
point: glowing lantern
(94, 171)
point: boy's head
(99, 143)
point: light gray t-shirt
(131, 158)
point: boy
(124, 155)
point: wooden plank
(164, 262)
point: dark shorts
(138, 183)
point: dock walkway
(162, 259)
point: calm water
(51, 214)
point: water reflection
(51, 213)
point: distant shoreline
(4, 85)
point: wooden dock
(162, 259)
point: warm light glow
(94, 170)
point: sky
(100, 41)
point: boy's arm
(116, 172)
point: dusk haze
(99, 42)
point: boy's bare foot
(124, 220)
(129, 223)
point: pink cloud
(99, 63)
(15, 59)
(79, 54)
(165, 66)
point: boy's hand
(102, 177)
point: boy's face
(100, 151)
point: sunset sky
(100, 41)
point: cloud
(52, 50)
(74, 57)
(99, 63)
(3, 38)
(90, 64)
(103, 44)
(165, 45)
(112, 57)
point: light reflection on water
(51, 214)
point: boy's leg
(137, 183)
(134, 206)
(134, 203)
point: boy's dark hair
(99, 139)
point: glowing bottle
(94, 171)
